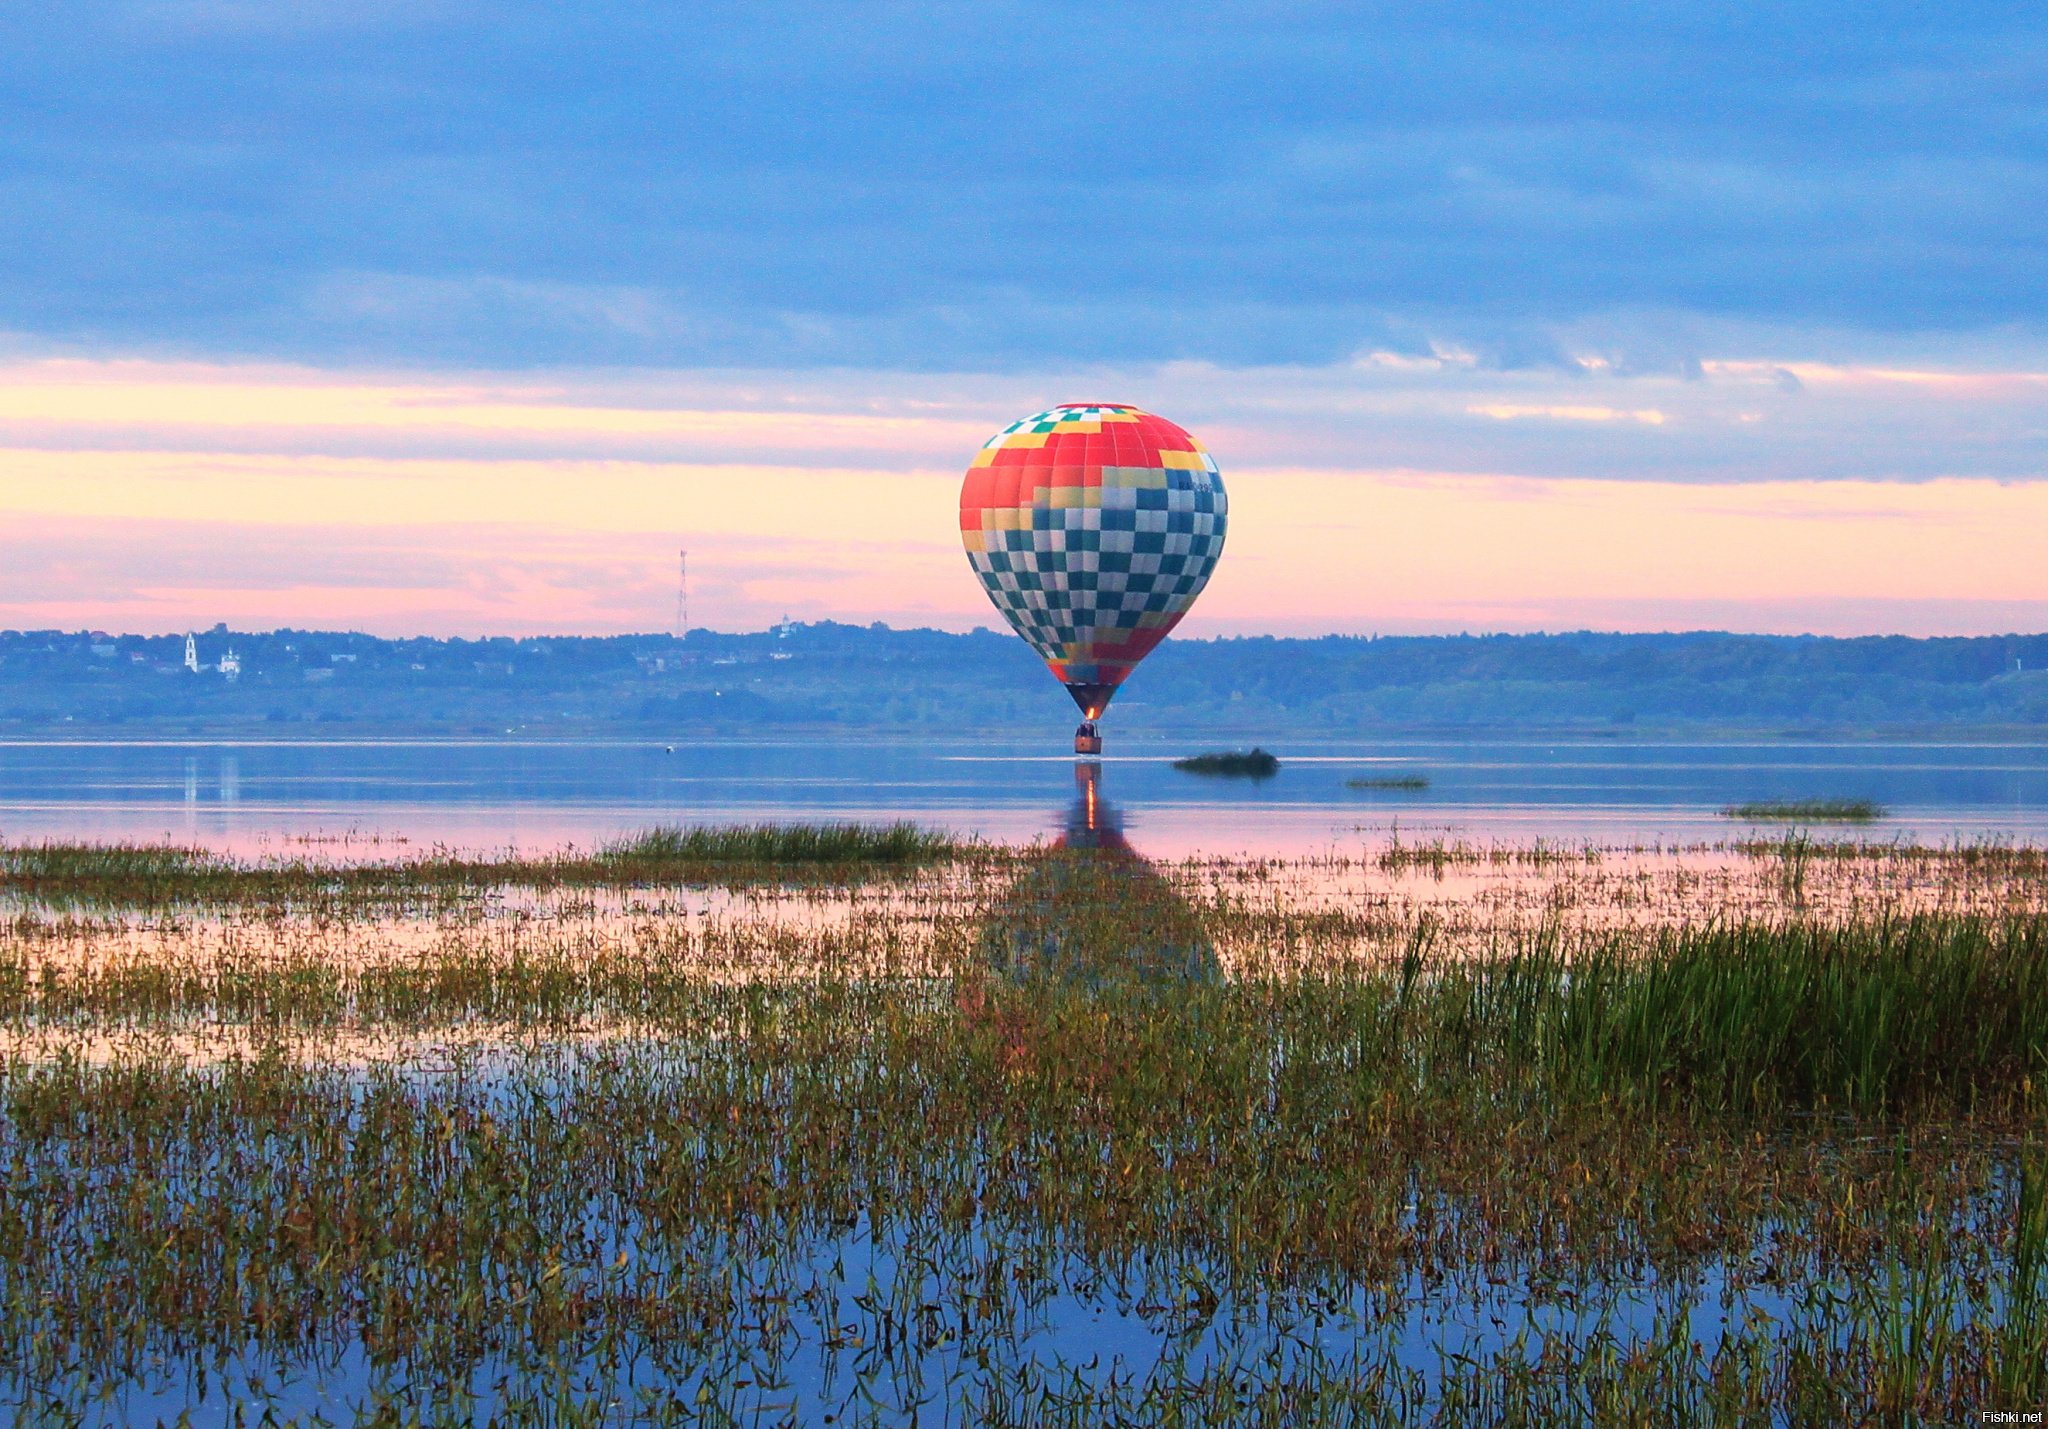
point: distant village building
(191, 652)
(231, 665)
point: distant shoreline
(1160, 739)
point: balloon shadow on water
(1091, 910)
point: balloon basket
(1087, 740)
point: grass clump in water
(897, 843)
(1231, 764)
(89, 870)
(1399, 781)
(35, 862)
(162, 875)
(1816, 811)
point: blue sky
(993, 186)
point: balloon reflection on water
(1090, 909)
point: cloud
(984, 188)
(1511, 411)
(60, 405)
(1895, 415)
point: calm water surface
(256, 796)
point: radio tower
(682, 594)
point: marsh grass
(147, 875)
(1237, 764)
(1441, 854)
(669, 848)
(146, 871)
(1918, 1014)
(704, 1194)
(676, 1202)
(1403, 781)
(1807, 811)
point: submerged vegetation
(1061, 1137)
(1807, 811)
(1392, 781)
(1251, 764)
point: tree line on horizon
(875, 676)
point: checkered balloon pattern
(1093, 528)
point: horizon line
(222, 629)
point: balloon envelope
(1093, 527)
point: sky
(451, 318)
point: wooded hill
(875, 677)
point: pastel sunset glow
(159, 497)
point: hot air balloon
(1093, 526)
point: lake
(258, 795)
